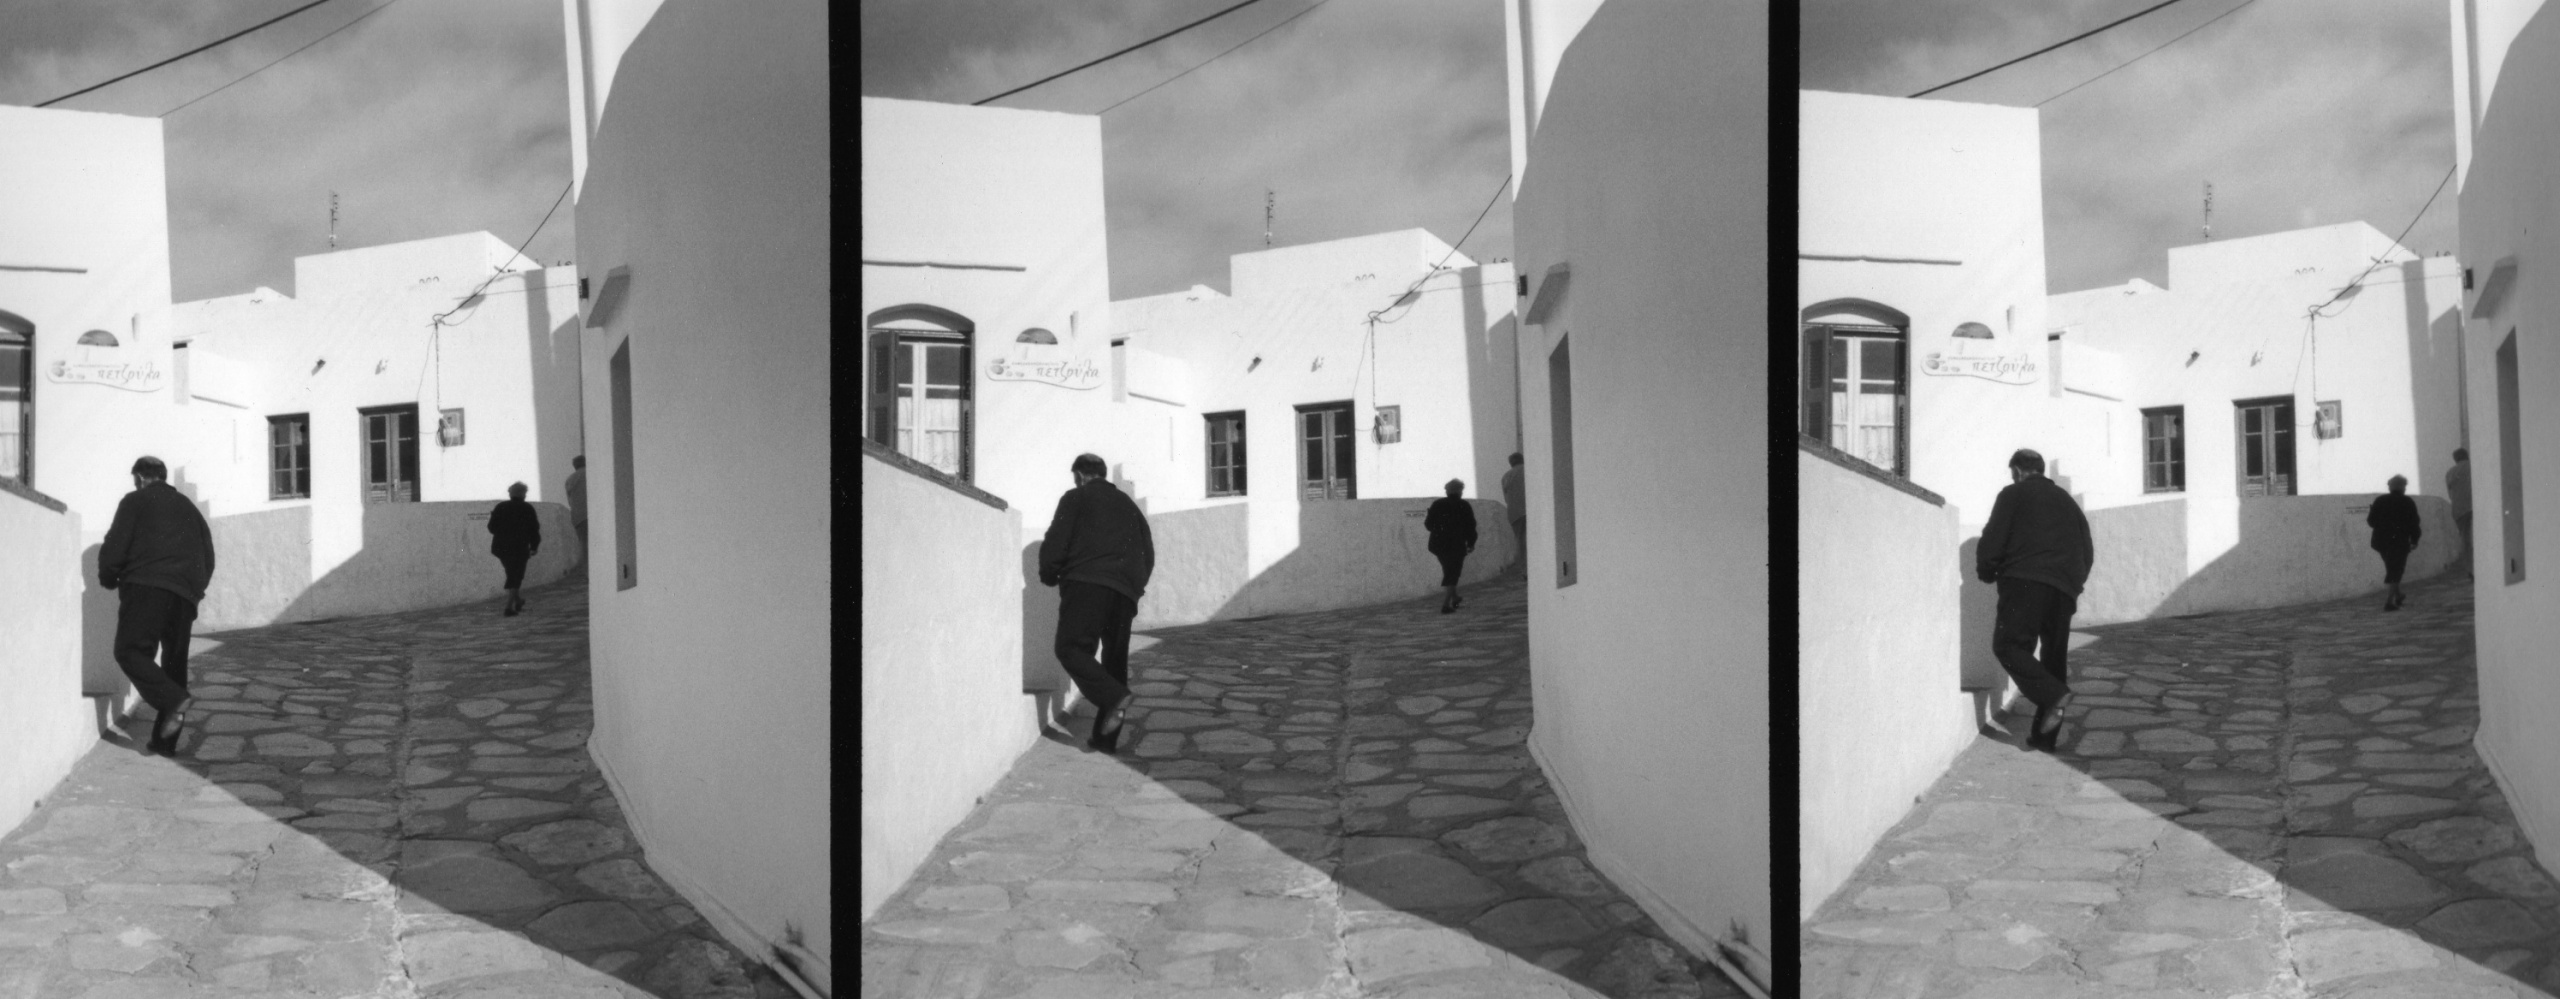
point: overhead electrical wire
(435, 325)
(218, 41)
(2145, 55)
(1413, 293)
(2311, 319)
(2048, 48)
(281, 58)
(1088, 65)
(1283, 23)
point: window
(919, 389)
(2510, 461)
(17, 399)
(289, 456)
(2266, 447)
(1560, 451)
(1326, 465)
(626, 535)
(1853, 395)
(1226, 454)
(2164, 449)
(390, 437)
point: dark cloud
(2299, 114)
(431, 118)
(1364, 117)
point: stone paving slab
(2260, 804)
(398, 805)
(1319, 805)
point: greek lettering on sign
(1081, 373)
(2013, 369)
(133, 376)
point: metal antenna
(1270, 201)
(333, 220)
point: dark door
(17, 399)
(1325, 452)
(391, 455)
(2266, 447)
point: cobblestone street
(1335, 804)
(2265, 803)
(383, 806)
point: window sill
(29, 493)
(1859, 465)
(930, 473)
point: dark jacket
(515, 531)
(2036, 532)
(2394, 519)
(1099, 536)
(1452, 523)
(160, 540)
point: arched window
(918, 386)
(17, 399)
(1853, 390)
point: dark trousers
(515, 568)
(1451, 563)
(1091, 614)
(148, 620)
(2395, 557)
(2032, 614)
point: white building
(2226, 443)
(1920, 365)
(1248, 418)
(1640, 163)
(701, 150)
(2507, 139)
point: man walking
(2036, 548)
(1099, 553)
(2457, 488)
(159, 556)
(1515, 502)
(578, 503)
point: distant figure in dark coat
(2457, 488)
(2036, 547)
(515, 533)
(159, 555)
(577, 492)
(1099, 553)
(2394, 519)
(1515, 502)
(1452, 523)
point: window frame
(1818, 343)
(2281, 449)
(1340, 450)
(1235, 463)
(300, 450)
(2174, 462)
(402, 450)
(883, 344)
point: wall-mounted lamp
(1256, 363)
(2191, 357)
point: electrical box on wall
(1390, 424)
(449, 428)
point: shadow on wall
(552, 352)
(422, 555)
(2291, 550)
(1493, 388)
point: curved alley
(2267, 803)
(1331, 804)
(398, 805)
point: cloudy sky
(1364, 116)
(430, 118)
(2301, 113)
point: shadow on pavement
(399, 804)
(2270, 802)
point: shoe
(1107, 727)
(169, 727)
(1457, 602)
(2047, 734)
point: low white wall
(943, 710)
(1350, 553)
(1880, 710)
(45, 723)
(2290, 550)
(415, 556)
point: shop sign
(1081, 373)
(131, 376)
(2013, 369)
